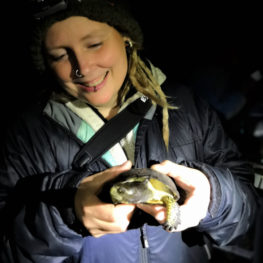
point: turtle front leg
(173, 214)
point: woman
(51, 209)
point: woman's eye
(96, 45)
(58, 57)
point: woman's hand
(197, 188)
(101, 218)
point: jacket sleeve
(32, 228)
(233, 203)
(31, 222)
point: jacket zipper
(144, 245)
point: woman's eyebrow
(92, 34)
(87, 37)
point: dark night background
(212, 47)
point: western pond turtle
(147, 186)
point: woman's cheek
(62, 71)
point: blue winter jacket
(38, 182)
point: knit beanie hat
(113, 12)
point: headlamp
(43, 8)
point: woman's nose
(84, 63)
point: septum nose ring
(78, 74)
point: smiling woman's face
(97, 51)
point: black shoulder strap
(112, 132)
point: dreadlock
(143, 80)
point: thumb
(95, 182)
(115, 171)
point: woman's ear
(128, 42)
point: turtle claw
(168, 227)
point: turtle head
(132, 190)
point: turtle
(147, 186)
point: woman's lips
(95, 86)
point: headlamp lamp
(43, 8)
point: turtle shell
(142, 185)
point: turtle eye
(121, 190)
